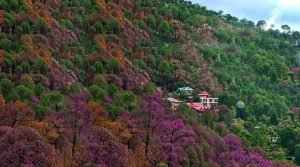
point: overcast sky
(277, 12)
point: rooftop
(173, 100)
(185, 89)
(203, 93)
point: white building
(207, 100)
(174, 103)
(188, 91)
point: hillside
(86, 82)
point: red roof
(198, 106)
(203, 93)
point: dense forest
(85, 82)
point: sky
(277, 12)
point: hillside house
(174, 103)
(207, 100)
(188, 91)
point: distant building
(273, 139)
(207, 100)
(174, 103)
(188, 91)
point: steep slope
(84, 82)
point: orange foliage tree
(101, 42)
(27, 40)
(47, 56)
(2, 15)
(102, 4)
(97, 113)
(2, 102)
(16, 114)
(120, 56)
(2, 54)
(119, 15)
(29, 6)
(47, 17)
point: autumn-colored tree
(27, 40)
(29, 5)
(119, 15)
(101, 4)
(47, 17)
(2, 103)
(46, 55)
(2, 19)
(120, 56)
(16, 114)
(96, 112)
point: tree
(152, 113)
(174, 138)
(286, 29)
(24, 67)
(39, 89)
(54, 100)
(113, 65)
(273, 119)
(23, 146)
(24, 93)
(287, 137)
(261, 24)
(97, 92)
(25, 27)
(6, 87)
(112, 89)
(297, 154)
(98, 67)
(6, 44)
(103, 149)
(16, 114)
(225, 114)
(98, 27)
(40, 65)
(100, 81)
(40, 25)
(113, 26)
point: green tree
(39, 89)
(40, 25)
(98, 66)
(113, 26)
(98, 27)
(97, 93)
(112, 89)
(54, 99)
(24, 93)
(113, 65)
(24, 67)
(6, 44)
(40, 65)
(25, 27)
(297, 154)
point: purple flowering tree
(25, 147)
(174, 139)
(237, 156)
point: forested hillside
(85, 82)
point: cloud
(275, 17)
(277, 12)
